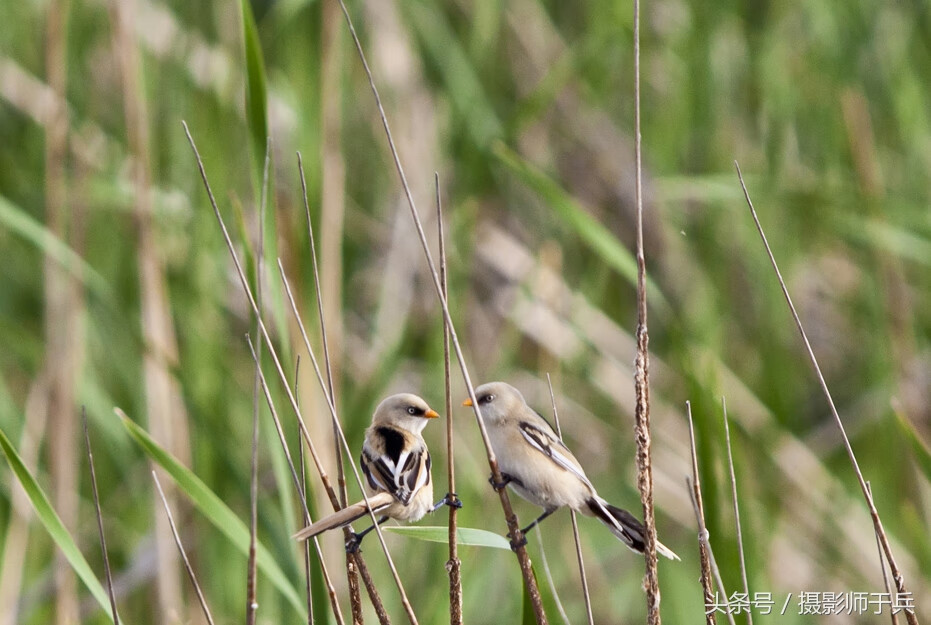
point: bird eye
(411, 410)
(487, 399)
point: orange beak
(431, 414)
(467, 402)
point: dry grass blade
(303, 497)
(642, 367)
(352, 580)
(296, 481)
(575, 521)
(252, 605)
(264, 331)
(103, 540)
(453, 565)
(740, 538)
(342, 438)
(882, 566)
(184, 558)
(704, 548)
(517, 537)
(874, 514)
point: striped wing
(402, 476)
(546, 442)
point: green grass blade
(19, 221)
(439, 534)
(216, 512)
(53, 525)
(598, 238)
(256, 91)
(920, 449)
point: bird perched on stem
(396, 465)
(542, 470)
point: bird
(539, 467)
(396, 464)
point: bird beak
(467, 402)
(431, 414)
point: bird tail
(346, 516)
(625, 526)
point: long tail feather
(625, 526)
(345, 516)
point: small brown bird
(396, 464)
(542, 470)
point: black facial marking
(394, 442)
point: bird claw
(517, 544)
(500, 486)
(353, 543)
(450, 499)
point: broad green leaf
(54, 526)
(19, 221)
(216, 511)
(598, 238)
(256, 93)
(469, 536)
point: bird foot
(517, 544)
(500, 486)
(354, 543)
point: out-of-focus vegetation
(526, 111)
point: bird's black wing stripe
(394, 442)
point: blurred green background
(116, 287)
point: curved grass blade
(215, 510)
(440, 534)
(598, 238)
(20, 222)
(53, 525)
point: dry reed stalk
(352, 579)
(103, 540)
(164, 407)
(63, 304)
(184, 558)
(252, 605)
(703, 546)
(244, 283)
(342, 437)
(733, 476)
(882, 567)
(642, 366)
(575, 521)
(517, 539)
(897, 577)
(295, 480)
(453, 565)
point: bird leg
(451, 499)
(355, 540)
(537, 521)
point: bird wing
(545, 441)
(402, 476)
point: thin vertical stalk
(874, 514)
(704, 548)
(252, 605)
(740, 537)
(642, 366)
(352, 580)
(882, 566)
(164, 406)
(103, 540)
(517, 538)
(296, 482)
(575, 521)
(184, 558)
(453, 565)
(303, 497)
(408, 608)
